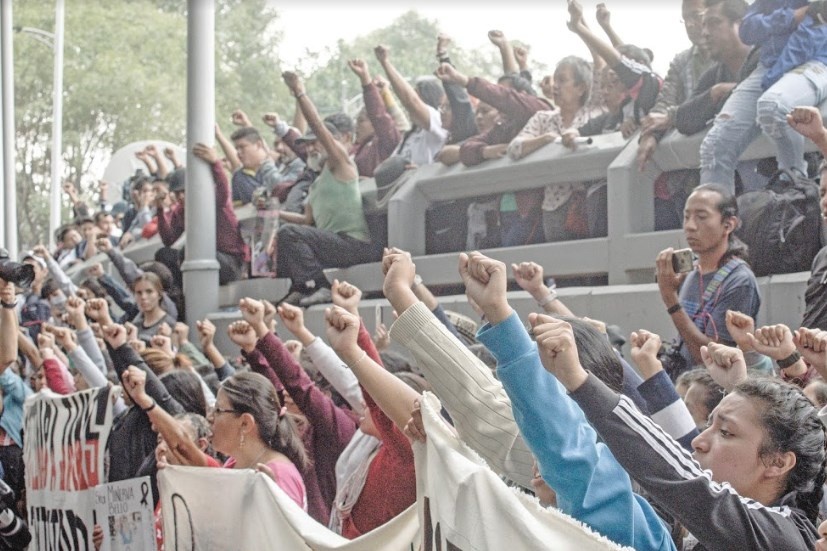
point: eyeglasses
(217, 410)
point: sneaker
(322, 296)
(293, 298)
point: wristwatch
(789, 361)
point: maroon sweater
(515, 109)
(329, 429)
(227, 234)
(390, 486)
(385, 137)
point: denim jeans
(749, 110)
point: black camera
(19, 274)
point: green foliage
(124, 81)
(247, 73)
(412, 42)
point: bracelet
(674, 308)
(9, 305)
(150, 408)
(548, 299)
(357, 362)
(300, 95)
(789, 361)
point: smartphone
(683, 261)
(378, 315)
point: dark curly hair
(792, 425)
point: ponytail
(809, 501)
(285, 439)
(252, 393)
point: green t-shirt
(337, 206)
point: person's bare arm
(338, 158)
(510, 66)
(28, 348)
(530, 145)
(299, 122)
(669, 284)
(424, 294)
(391, 394)
(529, 276)
(158, 157)
(206, 337)
(521, 54)
(228, 148)
(240, 118)
(448, 155)
(604, 20)
(595, 44)
(180, 443)
(148, 161)
(411, 101)
(807, 121)
(305, 218)
(78, 205)
(172, 155)
(8, 325)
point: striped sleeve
(713, 512)
(667, 409)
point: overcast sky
(315, 24)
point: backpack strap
(719, 277)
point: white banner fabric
(461, 505)
(64, 448)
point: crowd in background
(713, 440)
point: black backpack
(781, 224)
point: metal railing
(626, 254)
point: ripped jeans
(749, 110)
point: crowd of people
(714, 440)
(747, 68)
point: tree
(124, 81)
(412, 42)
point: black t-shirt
(815, 298)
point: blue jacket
(768, 24)
(807, 43)
(15, 392)
(783, 44)
(591, 486)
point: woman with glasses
(250, 425)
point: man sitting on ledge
(332, 231)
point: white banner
(225, 509)
(465, 506)
(64, 446)
(462, 505)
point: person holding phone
(720, 280)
